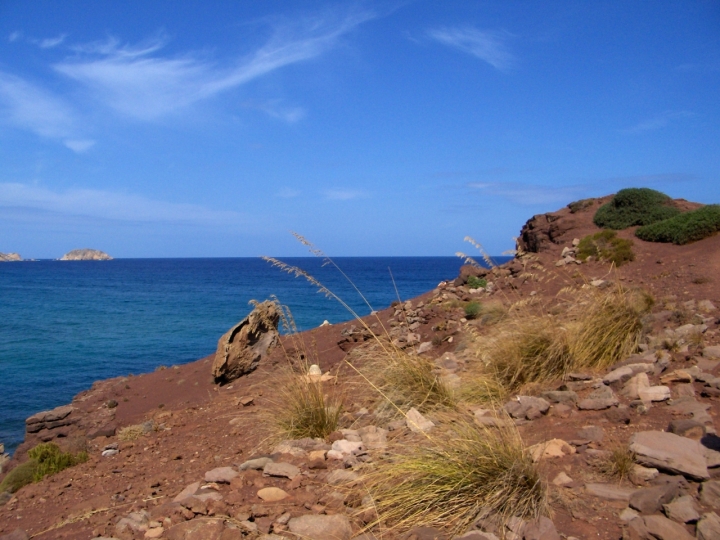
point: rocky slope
(85, 255)
(200, 463)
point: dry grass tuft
(461, 474)
(306, 408)
(130, 433)
(404, 380)
(618, 464)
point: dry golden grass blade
(462, 473)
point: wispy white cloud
(79, 145)
(14, 36)
(487, 45)
(110, 205)
(49, 43)
(342, 194)
(140, 82)
(529, 194)
(658, 122)
(276, 109)
(288, 193)
(29, 107)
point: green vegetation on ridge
(634, 206)
(684, 228)
(605, 245)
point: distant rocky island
(10, 257)
(85, 255)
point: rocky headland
(85, 255)
(622, 449)
(10, 257)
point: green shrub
(20, 476)
(50, 460)
(634, 206)
(45, 459)
(606, 245)
(476, 283)
(472, 309)
(684, 228)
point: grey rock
(670, 452)
(282, 469)
(189, 491)
(242, 347)
(682, 510)
(417, 422)
(650, 500)
(687, 427)
(710, 493)
(640, 474)
(521, 405)
(654, 393)
(712, 351)
(320, 527)
(560, 396)
(662, 528)
(222, 475)
(255, 464)
(373, 437)
(634, 385)
(196, 529)
(540, 529)
(628, 514)
(708, 528)
(597, 404)
(610, 492)
(690, 406)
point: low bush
(472, 309)
(20, 476)
(475, 282)
(462, 474)
(45, 459)
(634, 206)
(51, 460)
(606, 246)
(684, 228)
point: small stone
(187, 492)
(272, 494)
(662, 528)
(591, 433)
(634, 385)
(654, 393)
(424, 347)
(109, 452)
(708, 528)
(282, 469)
(157, 532)
(222, 475)
(670, 452)
(687, 427)
(677, 376)
(417, 422)
(321, 527)
(560, 396)
(682, 510)
(650, 500)
(550, 449)
(255, 464)
(710, 493)
(610, 492)
(628, 514)
(562, 479)
(640, 475)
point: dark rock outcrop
(245, 344)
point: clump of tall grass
(594, 330)
(46, 459)
(404, 380)
(617, 464)
(305, 408)
(456, 478)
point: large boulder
(245, 344)
(670, 452)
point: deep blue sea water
(64, 325)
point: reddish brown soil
(206, 426)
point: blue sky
(204, 129)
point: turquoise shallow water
(64, 325)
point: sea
(66, 324)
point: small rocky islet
(183, 453)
